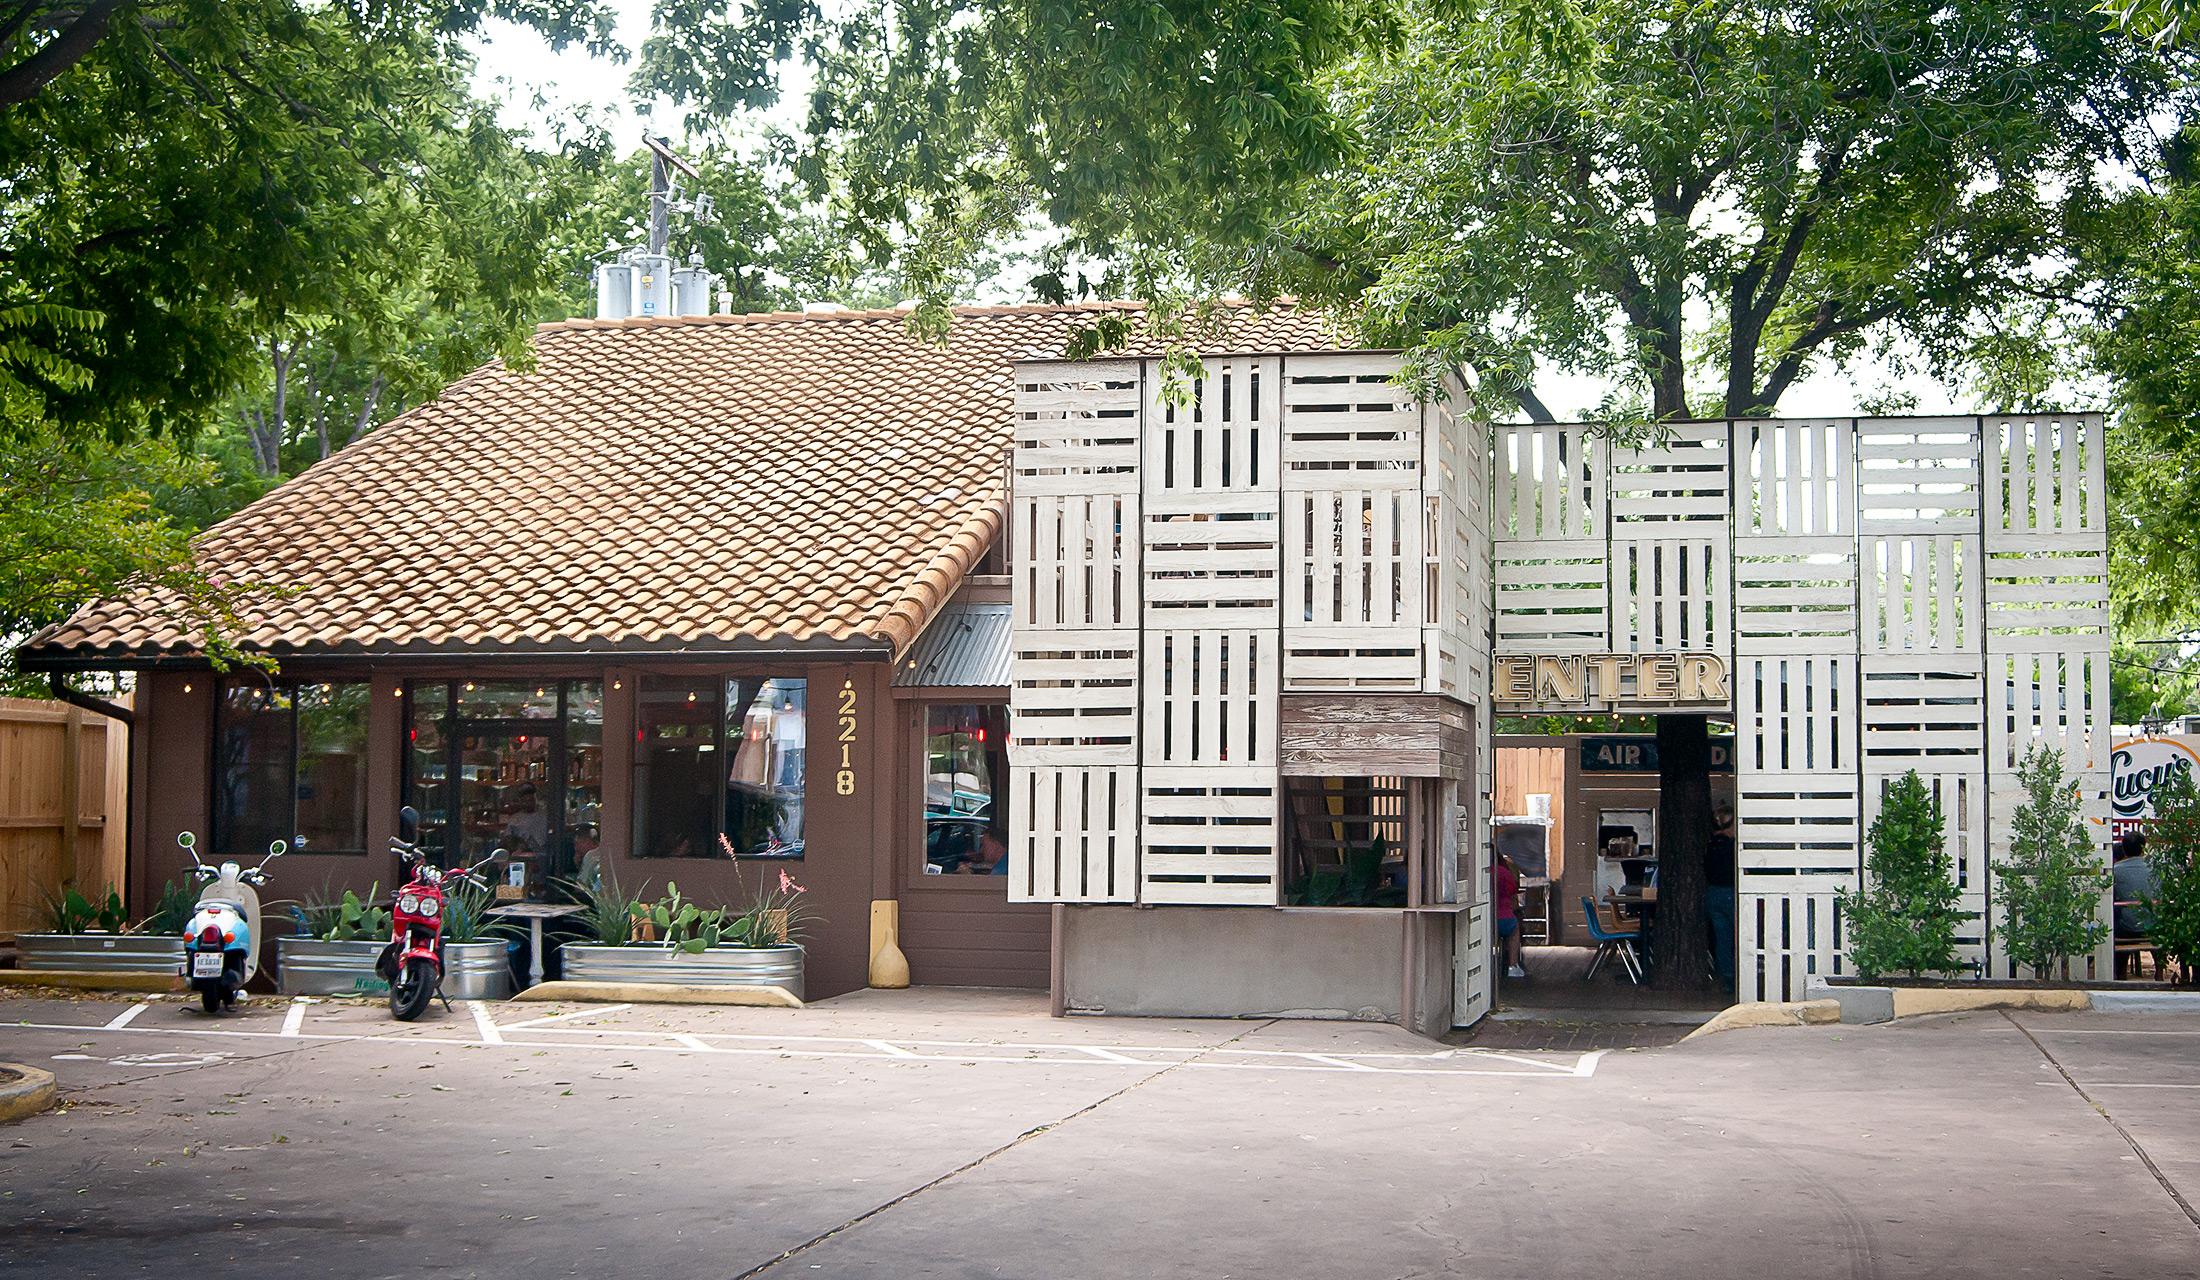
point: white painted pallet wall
(1073, 668)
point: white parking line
(2092, 1084)
(1452, 1062)
(122, 1019)
(577, 1013)
(484, 1023)
(294, 1018)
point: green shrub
(326, 918)
(2050, 888)
(177, 905)
(1905, 921)
(2173, 847)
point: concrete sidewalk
(1949, 1146)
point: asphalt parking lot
(966, 1134)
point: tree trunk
(1678, 940)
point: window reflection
(965, 812)
(764, 784)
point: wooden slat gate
(64, 778)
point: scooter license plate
(206, 964)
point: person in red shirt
(1505, 893)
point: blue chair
(1610, 944)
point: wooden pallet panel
(1073, 834)
(2045, 482)
(1075, 560)
(1923, 713)
(1801, 480)
(1550, 484)
(1209, 697)
(1797, 712)
(1795, 595)
(1221, 568)
(1347, 425)
(1219, 434)
(1923, 593)
(1073, 697)
(1784, 938)
(1687, 479)
(1209, 835)
(1672, 593)
(1918, 475)
(1552, 597)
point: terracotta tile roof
(706, 482)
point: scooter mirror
(185, 840)
(408, 824)
(276, 848)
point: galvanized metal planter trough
(311, 967)
(477, 970)
(667, 965)
(100, 952)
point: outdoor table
(535, 913)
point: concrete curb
(2145, 1001)
(1910, 1002)
(654, 993)
(1885, 1004)
(91, 980)
(1769, 1013)
(24, 1091)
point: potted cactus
(678, 942)
(333, 951)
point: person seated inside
(528, 828)
(2134, 882)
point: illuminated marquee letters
(1604, 677)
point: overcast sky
(516, 65)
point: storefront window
(584, 772)
(965, 811)
(428, 762)
(719, 765)
(290, 765)
(764, 783)
(332, 766)
(509, 770)
(678, 724)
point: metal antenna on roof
(644, 282)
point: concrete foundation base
(1248, 962)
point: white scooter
(221, 948)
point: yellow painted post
(889, 967)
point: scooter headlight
(429, 906)
(408, 904)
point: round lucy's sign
(2137, 769)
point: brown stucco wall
(846, 837)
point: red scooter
(413, 961)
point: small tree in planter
(2051, 885)
(1905, 922)
(2173, 847)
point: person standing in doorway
(1718, 893)
(1505, 895)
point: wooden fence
(64, 792)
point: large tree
(215, 176)
(1740, 189)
